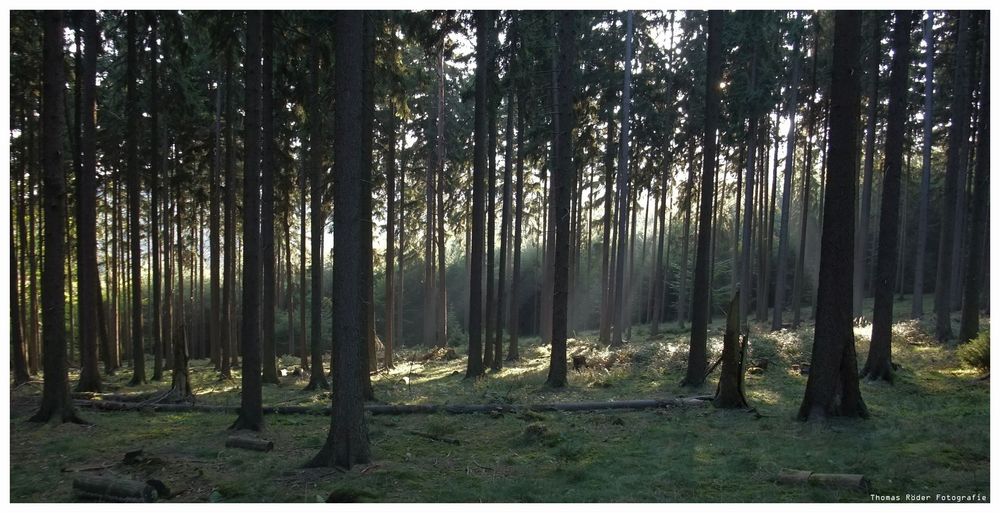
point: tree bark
(864, 217)
(879, 365)
(781, 271)
(317, 378)
(134, 172)
(917, 310)
(251, 417)
(56, 405)
(697, 352)
(347, 441)
(618, 304)
(832, 388)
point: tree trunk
(268, 164)
(917, 310)
(864, 218)
(618, 303)
(563, 182)
(781, 272)
(134, 172)
(180, 380)
(56, 404)
(969, 328)
(606, 242)
(514, 326)
(730, 392)
(879, 364)
(347, 441)
(390, 239)
(86, 225)
(697, 353)
(474, 367)
(226, 341)
(832, 388)
(504, 230)
(317, 378)
(251, 417)
(957, 138)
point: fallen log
(250, 443)
(113, 489)
(406, 409)
(452, 441)
(800, 477)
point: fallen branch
(112, 489)
(800, 477)
(405, 409)
(436, 438)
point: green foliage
(976, 352)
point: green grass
(928, 434)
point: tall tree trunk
(86, 225)
(347, 441)
(228, 345)
(618, 304)
(871, 117)
(214, 331)
(917, 310)
(606, 242)
(430, 295)
(879, 364)
(832, 389)
(180, 380)
(367, 125)
(305, 170)
(270, 369)
(132, 165)
(957, 138)
(781, 272)
(56, 404)
(514, 321)
(390, 239)
(697, 353)
(474, 367)
(491, 214)
(969, 328)
(504, 230)
(682, 295)
(798, 283)
(251, 410)
(563, 182)
(317, 378)
(154, 172)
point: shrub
(976, 352)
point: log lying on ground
(250, 443)
(113, 489)
(405, 409)
(800, 477)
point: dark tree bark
(390, 239)
(133, 178)
(609, 183)
(682, 294)
(305, 170)
(474, 367)
(697, 353)
(180, 379)
(514, 321)
(430, 294)
(17, 356)
(798, 282)
(969, 327)
(491, 209)
(781, 271)
(871, 117)
(618, 319)
(154, 186)
(879, 364)
(226, 341)
(317, 378)
(957, 137)
(730, 391)
(215, 319)
(832, 389)
(56, 404)
(925, 182)
(86, 224)
(504, 231)
(563, 182)
(368, 356)
(251, 416)
(347, 441)
(270, 369)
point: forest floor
(928, 433)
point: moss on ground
(928, 433)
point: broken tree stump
(113, 489)
(801, 477)
(249, 443)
